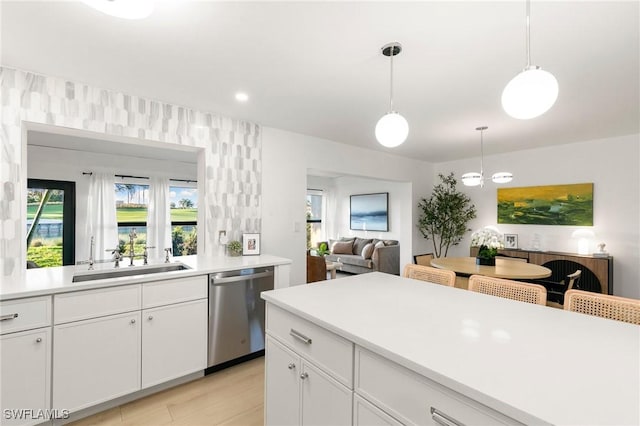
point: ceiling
(315, 67)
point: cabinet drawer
(414, 399)
(165, 292)
(330, 351)
(25, 314)
(81, 305)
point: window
(315, 231)
(51, 219)
(183, 201)
(132, 202)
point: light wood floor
(234, 396)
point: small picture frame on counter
(511, 241)
(250, 244)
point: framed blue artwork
(370, 212)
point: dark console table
(597, 272)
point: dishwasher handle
(227, 280)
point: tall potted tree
(444, 216)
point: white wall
(399, 214)
(286, 158)
(611, 164)
(68, 165)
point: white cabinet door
(95, 360)
(174, 341)
(324, 400)
(282, 389)
(24, 375)
(367, 414)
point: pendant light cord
(481, 154)
(391, 78)
(528, 34)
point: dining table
(507, 268)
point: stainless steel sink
(128, 271)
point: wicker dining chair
(508, 289)
(423, 259)
(603, 305)
(432, 275)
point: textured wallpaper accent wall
(232, 150)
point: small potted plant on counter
(234, 248)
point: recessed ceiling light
(242, 97)
(127, 9)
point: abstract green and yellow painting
(547, 205)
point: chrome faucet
(116, 256)
(167, 252)
(132, 236)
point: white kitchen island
(381, 349)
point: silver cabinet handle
(133, 321)
(304, 375)
(8, 317)
(291, 366)
(300, 336)
(39, 339)
(150, 317)
(442, 419)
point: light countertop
(533, 363)
(45, 281)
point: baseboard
(128, 398)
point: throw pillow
(367, 251)
(342, 247)
(374, 256)
(359, 244)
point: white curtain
(158, 217)
(101, 215)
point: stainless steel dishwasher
(237, 313)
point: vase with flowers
(488, 240)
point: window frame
(176, 183)
(183, 184)
(319, 193)
(123, 180)
(68, 214)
